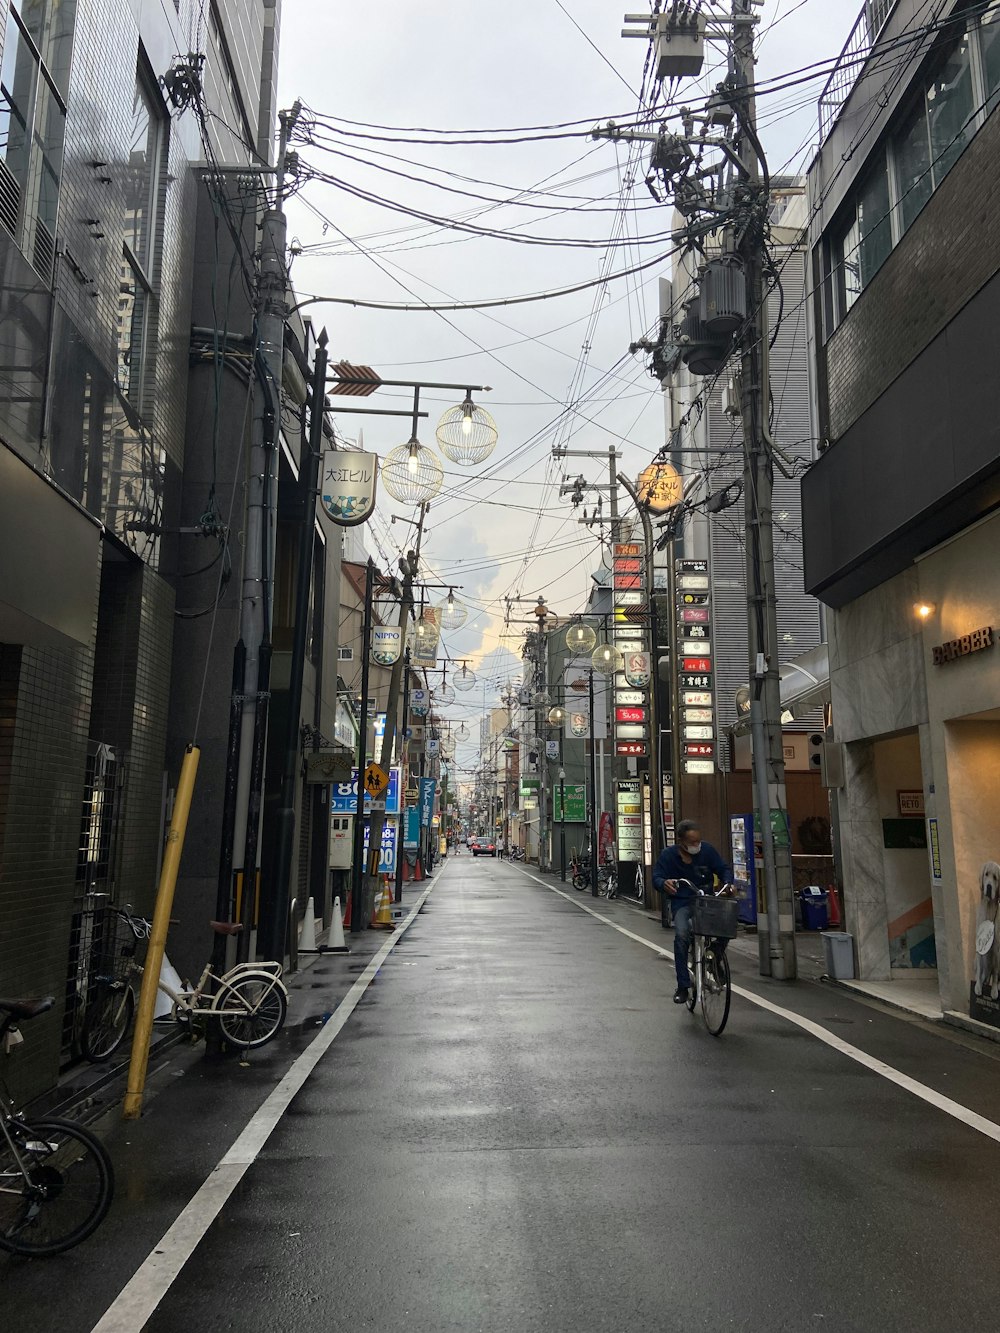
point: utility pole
(401, 831)
(359, 918)
(758, 478)
(593, 789)
(408, 568)
(258, 547)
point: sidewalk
(194, 1108)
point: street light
(562, 824)
(556, 715)
(411, 473)
(465, 679)
(607, 659)
(453, 614)
(580, 638)
(467, 433)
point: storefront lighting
(924, 609)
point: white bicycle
(249, 1001)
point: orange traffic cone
(382, 919)
(418, 871)
(406, 869)
(347, 914)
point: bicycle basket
(715, 916)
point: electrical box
(831, 769)
(680, 45)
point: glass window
(18, 75)
(989, 45)
(866, 241)
(913, 165)
(847, 260)
(950, 108)
(132, 300)
(141, 174)
(50, 25)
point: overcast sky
(452, 66)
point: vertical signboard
(696, 695)
(631, 685)
(629, 820)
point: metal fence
(863, 36)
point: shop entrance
(909, 911)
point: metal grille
(10, 199)
(44, 250)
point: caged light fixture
(467, 433)
(454, 614)
(580, 638)
(465, 679)
(411, 473)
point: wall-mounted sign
(698, 732)
(968, 643)
(387, 644)
(911, 803)
(344, 795)
(699, 766)
(693, 599)
(630, 599)
(419, 703)
(627, 581)
(347, 486)
(693, 582)
(698, 715)
(698, 749)
(694, 645)
(627, 549)
(630, 731)
(692, 566)
(694, 615)
(696, 699)
(660, 487)
(627, 565)
(696, 664)
(629, 697)
(433, 745)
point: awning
(50, 553)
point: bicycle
(56, 1178)
(714, 919)
(638, 892)
(249, 1001)
(516, 854)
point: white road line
(138, 1300)
(926, 1094)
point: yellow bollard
(158, 936)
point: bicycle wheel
(106, 1021)
(716, 991)
(63, 1193)
(694, 968)
(265, 1012)
(581, 881)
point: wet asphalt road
(516, 1130)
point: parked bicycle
(56, 1178)
(249, 1001)
(714, 918)
(516, 854)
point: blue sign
(387, 858)
(427, 789)
(411, 828)
(344, 795)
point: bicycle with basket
(714, 921)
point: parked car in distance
(484, 847)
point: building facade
(99, 179)
(900, 510)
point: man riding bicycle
(690, 862)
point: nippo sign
(347, 486)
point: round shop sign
(387, 643)
(985, 935)
(637, 669)
(579, 724)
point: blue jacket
(700, 871)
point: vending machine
(741, 834)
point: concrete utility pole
(258, 547)
(758, 478)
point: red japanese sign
(628, 566)
(628, 581)
(635, 748)
(699, 749)
(696, 664)
(630, 714)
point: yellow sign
(660, 487)
(376, 780)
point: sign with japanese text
(344, 795)
(660, 487)
(387, 644)
(348, 482)
(632, 749)
(419, 702)
(387, 854)
(630, 714)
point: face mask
(693, 848)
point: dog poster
(984, 1002)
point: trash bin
(815, 908)
(839, 949)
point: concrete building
(900, 511)
(99, 182)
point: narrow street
(517, 1130)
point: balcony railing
(863, 37)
